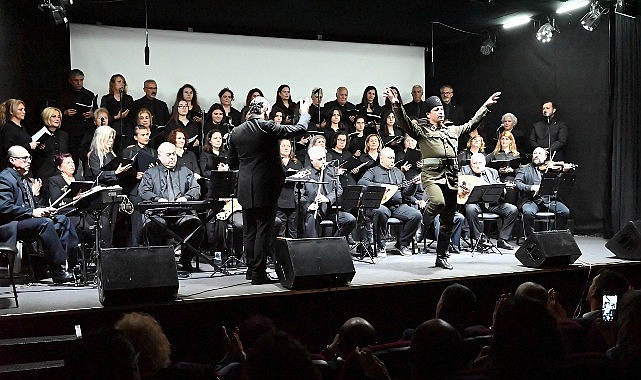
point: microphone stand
(122, 135)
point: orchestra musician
(168, 182)
(528, 181)
(508, 212)
(18, 205)
(397, 206)
(438, 144)
(317, 200)
(253, 150)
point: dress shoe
(503, 244)
(260, 278)
(441, 262)
(454, 249)
(187, 267)
(381, 253)
(61, 276)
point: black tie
(27, 194)
(171, 195)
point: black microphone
(147, 55)
(102, 121)
(120, 90)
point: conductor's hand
(492, 99)
(304, 105)
(389, 94)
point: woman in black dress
(284, 102)
(12, 113)
(56, 143)
(180, 120)
(212, 150)
(118, 103)
(286, 210)
(185, 157)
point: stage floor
(44, 297)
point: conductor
(254, 151)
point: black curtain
(572, 70)
(625, 196)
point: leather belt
(440, 161)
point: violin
(557, 166)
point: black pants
(58, 237)
(258, 236)
(155, 231)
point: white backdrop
(212, 61)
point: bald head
(356, 332)
(167, 155)
(19, 158)
(532, 290)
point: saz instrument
(390, 189)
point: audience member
(436, 351)
(626, 354)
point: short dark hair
(75, 73)
(59, 158)
(224, 90)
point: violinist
(317, 199)
(528, 181)
(508, 212)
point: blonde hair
(512, 148)
(99, 142)
(469, 142)
(112, 84)
(380, 142)
(148, 339)
(8, 108)
(47, 113)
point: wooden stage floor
(44, 297)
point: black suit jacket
(254, 151)
(558, 136)
(12, 203)
(526, 176)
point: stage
(393, 293)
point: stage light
(572, 5)
(488, 46)
(591, 19)
(544, 34)
(515, 21)
(57, 14)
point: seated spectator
(102, 355)
(607, 281)
(527, 343)
(154, 350)
(626, 354)
(355, 332)
(435, 351)
(278, 356)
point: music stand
(552, 183)
(490, 193)
(222, 185)
(362, 198)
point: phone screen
(609, 307)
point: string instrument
(230, 207)
(390, 189)
(557, 166)
(318, 192)
(465, 185)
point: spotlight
(544, 33)
(488, 46)
(591, 19)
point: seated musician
(18, 204)
(397, 206)
(318, 201)
(508, 212)
(130, 183)
(528, 181)
(169, 183)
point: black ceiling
(402, 22)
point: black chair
(8, 249)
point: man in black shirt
(77, 106)
(158, 108)
(416, 108)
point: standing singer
(438, 144)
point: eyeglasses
(151, 88)
(183, 106)
(446, 92)
(25, 158)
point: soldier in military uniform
(438, 144)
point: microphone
(146, 55)
(120, 90)
(102, 121)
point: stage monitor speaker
(314, 263)
(548, 249)
(626, 244)
(136, 275)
